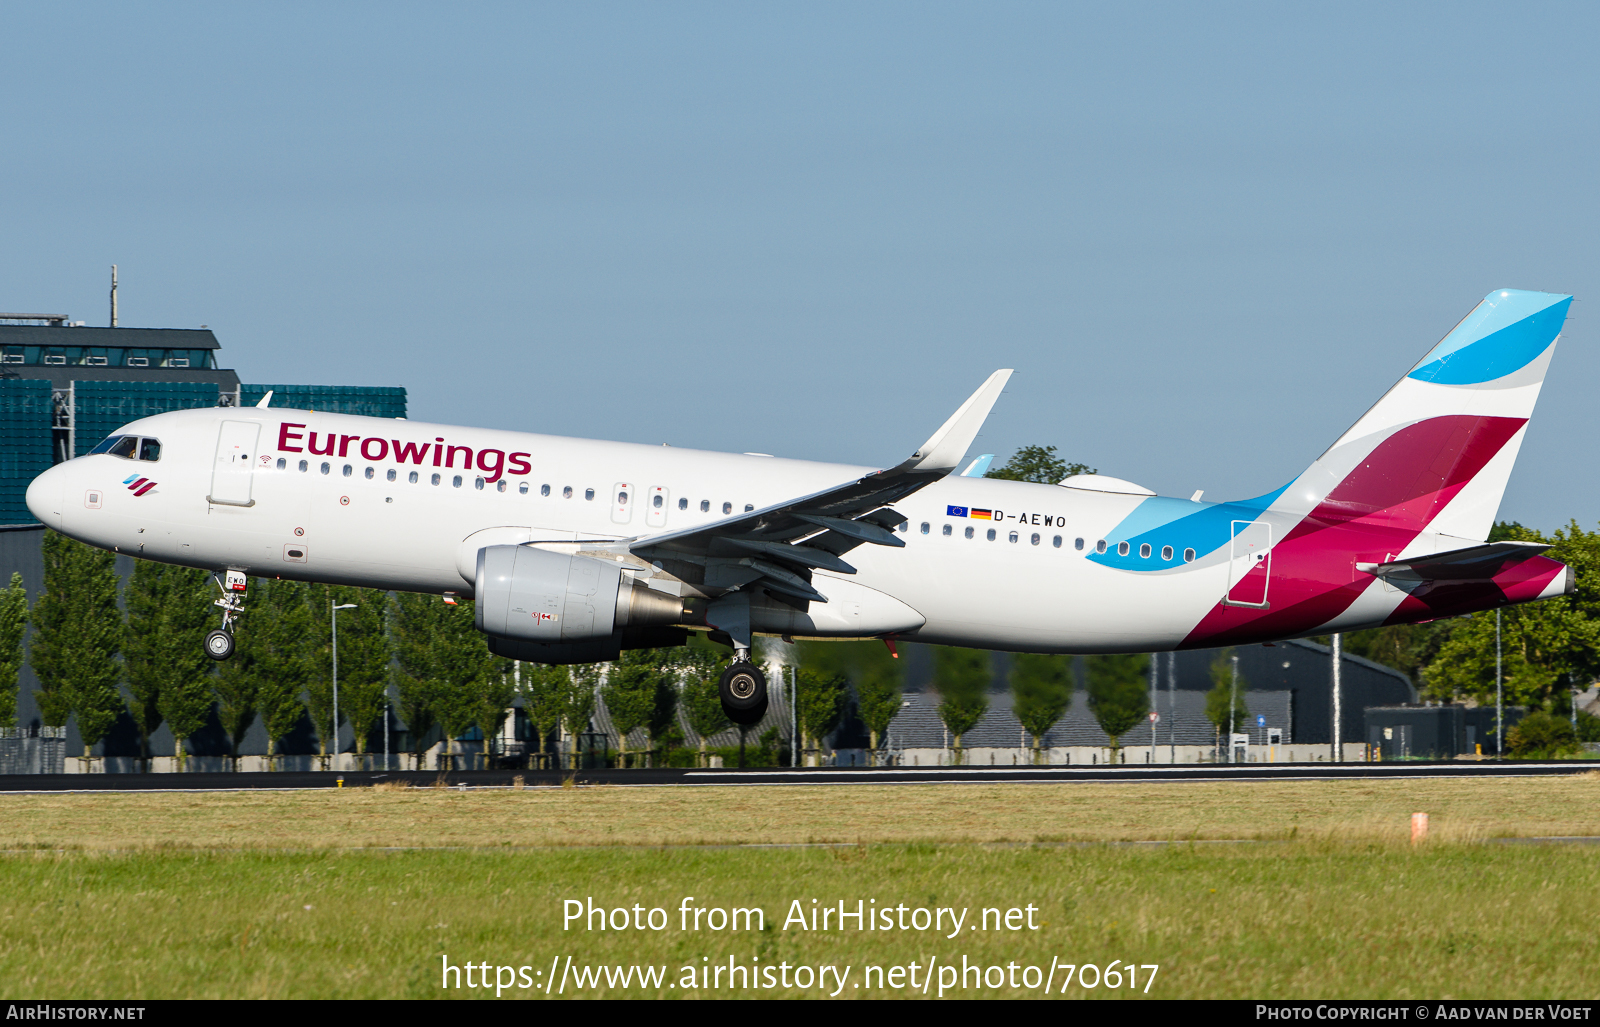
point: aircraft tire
(743, 690)
(219, 644)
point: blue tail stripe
(1499, 353)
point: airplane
(575, 549)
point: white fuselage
(341, 519)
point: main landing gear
(743, 690)
(219, 642)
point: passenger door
(234, 466)
(1249, 565)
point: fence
(33, 750)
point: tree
(701, 669)
(1118, 694)
(1039, 464)
(630, 694)
(879, 679)
(78, 634)
(1547, 647)
(494, 694)
(577, 703)
(234, 687)
(415, 621)
(1041, 689)
(169, 613)
(1541, 736)
(961, 677)
(1225, 690)
(819, 704)
(13, 623)
(364, 656)
(541, 700)
(277, 640)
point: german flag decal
(982, 515)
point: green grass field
(288, 895)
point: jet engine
(549, 607)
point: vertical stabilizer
(1436, 451)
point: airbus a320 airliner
(575, 550)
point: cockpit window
(130, 447)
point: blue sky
(1207, 236)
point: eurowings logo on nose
(137, 485)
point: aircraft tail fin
(1436, 451)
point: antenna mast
(113, 295)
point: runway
(767, 776)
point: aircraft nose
(44, 496)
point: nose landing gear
(219, 642)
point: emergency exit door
(235, 463)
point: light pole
(334, 616)
(1499, 709)
(1336, 651)
(1233, 703)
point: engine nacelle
(533, 595)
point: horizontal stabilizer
(1475, 563)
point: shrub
(1541, 736)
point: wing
(1475, 563)
(778, 546)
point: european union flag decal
(955, 511)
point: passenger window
(477, 483)
(683, 504)
(1166, 552)
(1100, 546)
(1122, 548)
(282, 463)
(748, 508)
(500, 486)
(622, 498)
(705, 506)
(727, 508)
(371, 473)
(1188, 556)
(437, 479)
(658, 501)
(392, 474)
(150, 449)
(588, 494)
(991, 534)
(544, 490)
(456, 481)
(946, 531)
(1077, 544)
(522, 488)
(1057, 542)
(1013, 538)
(127, 446)
(1144, 551)
(566, 492)
(326, 467)
(412, 477)
(304, 466)
(969, 531)
(348, 470)
(926, 527)
(1036, 538)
